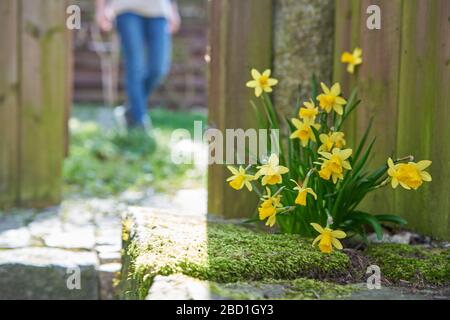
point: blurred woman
(145, 28)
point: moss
(225, 254)
(298, 289)
(411, 263)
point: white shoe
(120, 118)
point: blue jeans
(146, 45)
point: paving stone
(15, 238)
(109, 236)
(76, 212)
(42, 273)
(109, 256)
(71, 237)
(178, 287)
(107, 273)
(15, 219)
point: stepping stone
(44, 273)
(15, 238)
(161, 243)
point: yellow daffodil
(328, 238)
(332, 140)
(268, 208)
(240, 178)
(335, 163)
(352, 59)
(304, 131)
(261, 82)
(409, 175)
(302, 193)
(308, 112)
(271, 171)
(330, 99)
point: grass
(102, 162)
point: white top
(146, 8)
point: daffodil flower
(409, 175)
(330, 99)
(352, 59)
(302, 193)
(328, 238)
(261, 82)
(308, 112)
(304, 131)
(271, 171)
(335, 163)
(240, 178)
(331, 140)
(268, 208)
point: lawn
(103, 162)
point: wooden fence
(34, 100)
(404, 83)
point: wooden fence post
(34, 95)
(404, 83)
(240, 38)
(9, 115)
(424, 112)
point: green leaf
(370, 220)
(391, 218)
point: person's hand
(174, 20)
(103, 21)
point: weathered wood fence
(34, 99)
(403, 82)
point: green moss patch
(223, 253)
(414, 264)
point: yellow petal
(252, 84)
(311, 192)
(324, 88)
(425, 176)
(336, 243)
(318, 238)
(390, 163)
(267, 73)
(394, 183)
(339, 109)
(255, 74)
(233, 170)
(338, 234)
(340, 100)
(258, 91)
(336, 89)
(297, 123)
(345, 154)
(317, 227)
(273, 82)
(422, 165)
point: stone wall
(303, 46)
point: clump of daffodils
(317, 180)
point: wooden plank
(377, 81)
(347, 37)
(423, 114)
(43, 100)
(8, 104)
(240, 38)
(69, 87)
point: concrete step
(48, 273)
